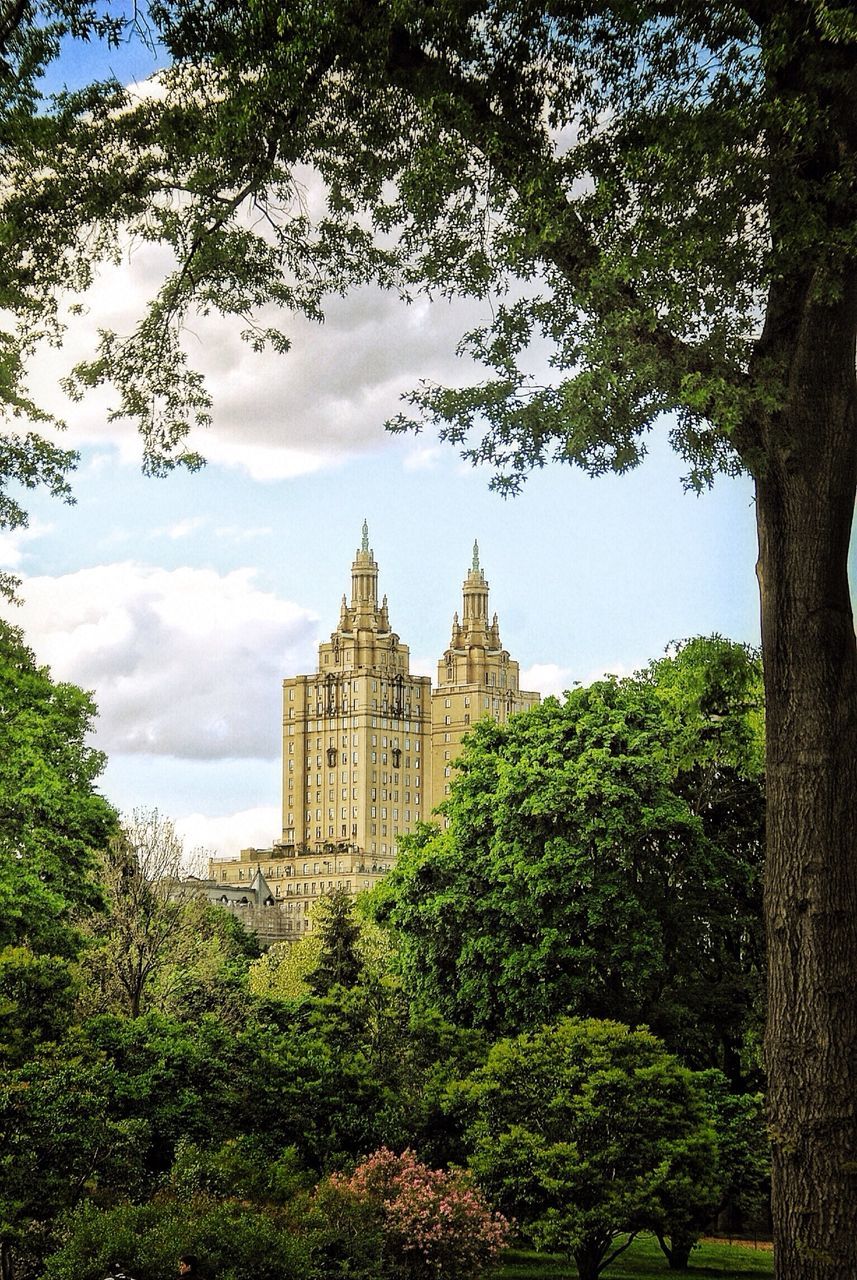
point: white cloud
(185, 663)
(226, 835)
(275, 416)
(238, 533)
(618, 669)
(182, 528)
(547, 678)
(14, 543)
(423, 458)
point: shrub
(432, 1223)
(233, 1242)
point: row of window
(353, 687)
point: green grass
(644, 1258)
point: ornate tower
(475, 678)
(357, 733)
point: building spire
(475, 556)
(365, 544)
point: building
(368, 747)
(475, 678)
(253, 903)
(357, 733)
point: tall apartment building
(357, 733)
(475, 678)
(368, 747)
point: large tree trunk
(805, 504)
(6, 1268)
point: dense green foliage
(52, 820)
(587, 1131)
(339, 962)
(163, 1088)
(602, 857)
(463, 150)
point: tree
(339, 962)
(663, 193)
(207, 967)
(53, 822)
(59, 1141)
(585, 1131)
(141, 876)
(283, 971)
(602, 858)
(52, 819)
(432, 1222)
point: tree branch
(10, 21)
(521, 161)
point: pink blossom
(435, 1222)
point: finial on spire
(475, 556)
(365, 546)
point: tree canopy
(602, 857)
(52, 819)
(591, 1132)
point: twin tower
(368, 747)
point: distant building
(368, 748)
(254, 903)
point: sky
(183, 602)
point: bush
(232, 1241)
(428, 1222)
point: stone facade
(368, 748)
(475, 678)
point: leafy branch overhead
(605, 182)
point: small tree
(587, 1131)
(141, 871)
(339, 962)
(432, 1223)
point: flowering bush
(434, 1223)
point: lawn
(644, 1258)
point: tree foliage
(587, 1131)
(52, 819)
(431, 1221)
(602, 857)
(339, 962)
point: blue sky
(183, 602)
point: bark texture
(805, 504)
